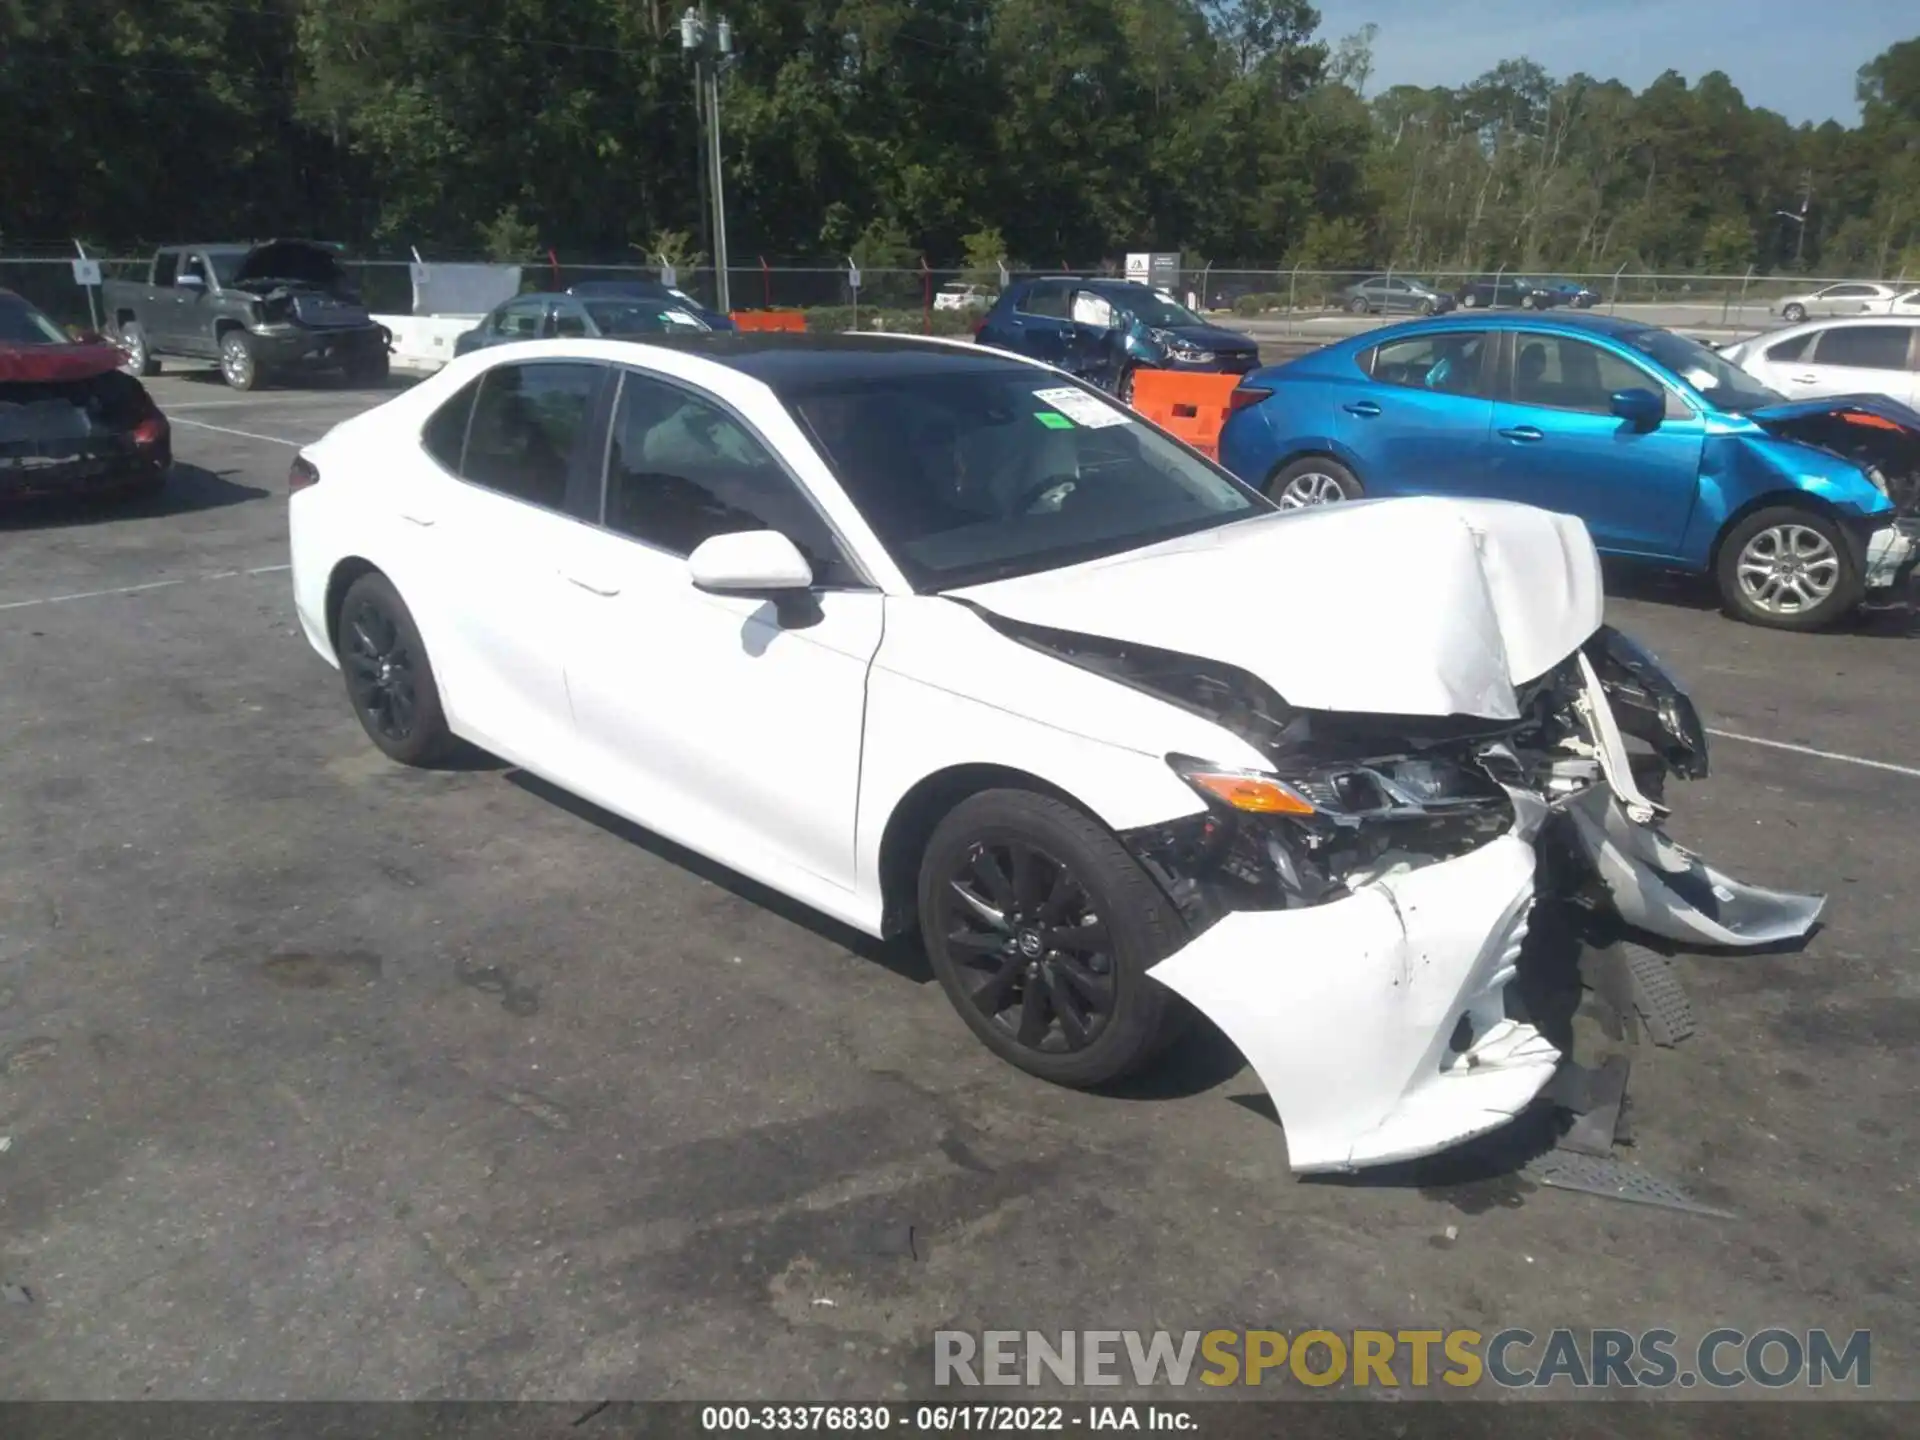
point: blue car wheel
(1313, 480)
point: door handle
(593, 587)
(421, 520)
(1362, 407)
(1802, 379)
(1524, 433)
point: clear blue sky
(1797, 57)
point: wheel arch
(339, 581)
(920, 810)
(225, 324)
(1776, 500)
(1314, 449)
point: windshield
(981, 474)
(1153, 310)
(1725, 385)
(21, 324)
(640, 317)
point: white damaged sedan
(932, 637)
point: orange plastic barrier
(1193, 407)
(766, 321)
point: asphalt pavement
(322, 1078)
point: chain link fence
(951, 301)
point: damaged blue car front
(1800, 511)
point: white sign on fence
(86, 272)
(669, 277)
(421, 274)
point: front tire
(1427, 307)
(1313, 480)
(389, 678)
(1041, 929)
(239, 366)
(368, 370)
(1787, 569)
(1527, 302)
(133, 344)
(1470, 301)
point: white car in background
(1849, 297)
(1870, 355)
(940, 640)
(1907, 302)
(956, 295)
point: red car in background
(72, 422)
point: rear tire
(369, 370)
(1469, 301)
(1787, 569)
(1357, 306)
(1313, 480)
(1065, 994)
(389, 678)
(1794, 314)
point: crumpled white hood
(1403, 607)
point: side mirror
(1642, 409)
(189, 282)
(750, 562)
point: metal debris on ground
(1598, 1175)
(16, 1294)
(1633, 984)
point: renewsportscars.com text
(1600, 1359)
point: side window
(1565, 374)
(1864, 347)
(1092, 309)
(1397, 285)
(520, 319)
(1453, 363)
(1791, 349)
(196, 268)
(1846, 292)
(444, 436)
(526, 422)
(569, 322)
(681, 470)
(166, 266)
(1047, 298)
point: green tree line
(1048, 131)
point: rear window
(21, 324)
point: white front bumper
(1349, 1011)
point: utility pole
(708, 42)
(1800, 238)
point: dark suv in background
(1104, 330)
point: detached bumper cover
(1378, 1022)
(1350, 1012)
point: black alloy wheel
(389, 678)
(380, 672)
(1041, 928)
(1036, 958)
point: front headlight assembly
(1308, 832)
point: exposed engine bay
(1889, 453)
(297, 282)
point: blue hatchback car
(1798, 509)
(1103, 330)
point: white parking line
(139, 589)
(245, 434)
(1817, 754)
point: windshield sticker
(1082, 408)
(1053, 420)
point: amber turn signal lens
(1252, 794)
